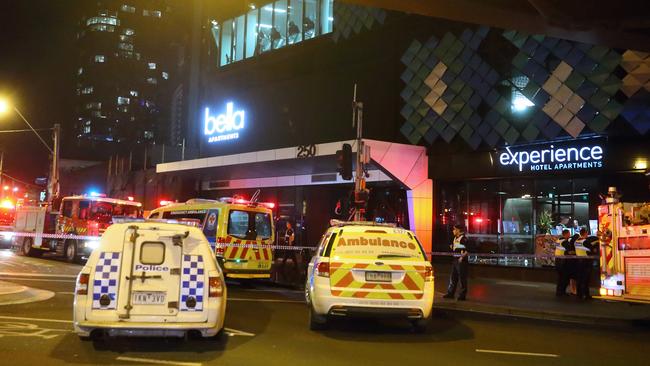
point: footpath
(537, 300)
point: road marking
(230, 331)
(506, 283)
(31, 274)
(34, 279)
(266, 300)
(36, 319)
(518, 353)
(157, 362)
(14, 329)
(234, 332)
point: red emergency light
(240, 201)
(165, 202)
(130, 198)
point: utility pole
(53, 189)
(2, 162)
(360, 192)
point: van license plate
(378, 276)
(148, 298)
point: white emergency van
(369, 269)
(150, 278)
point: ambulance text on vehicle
(624, 234)
(240, 232)
(363, 268)
(150, 279)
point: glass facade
(505, 216)
(270, 27)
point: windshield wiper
(393, 256)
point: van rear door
(159, 280)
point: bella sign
(553, 157)
(224, 126)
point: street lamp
(53, 186)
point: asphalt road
(267, 325)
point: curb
(504, 311)
(17, 294)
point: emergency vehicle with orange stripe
(240, 232)
(70, 227)
(624, 235)
(369, 269)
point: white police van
(150, 279)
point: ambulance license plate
(379, 276)
(148, 298)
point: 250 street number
(306, 151)
(553, 158)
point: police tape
(512, 255)
(12, 234)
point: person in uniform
(563, 248)
(459, 266)
(289, 240)
(585, 246)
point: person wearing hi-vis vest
(459, 266)
(563, 247)
(585, 246)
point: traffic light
(344, 161)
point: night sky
(37, 63)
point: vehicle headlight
(92, 244)
(7, 235)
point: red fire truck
(70, 231)
(624, 234)
(7, 216)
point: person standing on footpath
(460, 265)
(289, 239)
(563, 248)
(585, 246)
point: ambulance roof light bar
(338, 223)
(200, 200)
(240, 201)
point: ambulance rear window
(249, 225)
(394, 246)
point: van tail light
(216, 287)
(323, 269)
(82, 284)
(428, 274)
(220, 248)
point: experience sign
(224, 126)
(574, 155)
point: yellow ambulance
(369, 269)
(240, 232)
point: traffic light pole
(360, 191)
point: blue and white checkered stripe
(192, 282)
(106, 279)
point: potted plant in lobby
(545, 222)
(544, 242)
